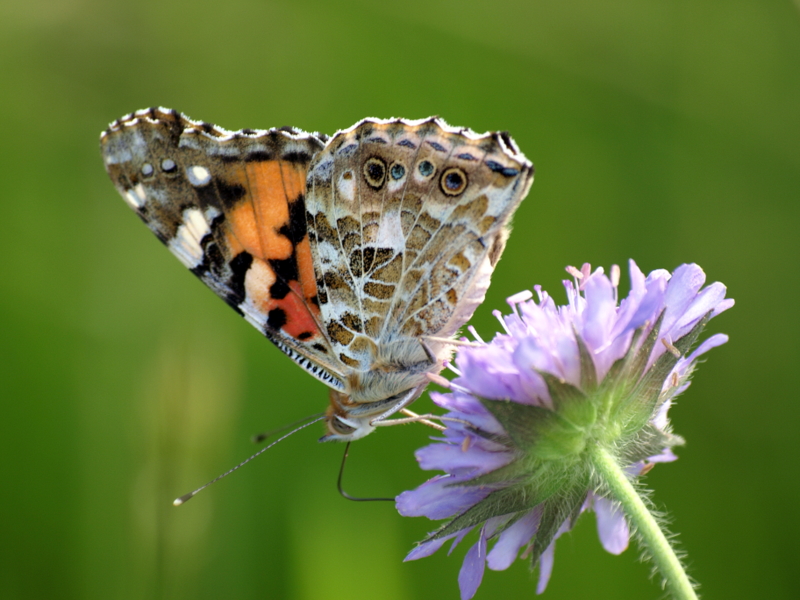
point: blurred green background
(663, 131)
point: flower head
(528, 409)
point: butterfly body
(357, 255)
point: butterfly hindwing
(230, 206)
(407, 221)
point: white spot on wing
(257, 281)
(212, 213)
(390, 232)
(135, 197)
(346, 185)
(186, 243)
(198, 176)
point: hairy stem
(645, 523)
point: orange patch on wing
(299, 319)
(305, 268)
(299, 314)
(253, 225)
(254, 222)
(269, 194)
(294, 180)
(241, 227)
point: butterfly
(358, 255)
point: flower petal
(471, 574)
(459, 536)
(435, 500)
(611, 526)
(511, 540)
(546, 567)
(427, 548)
(601, 306)
(447, 457)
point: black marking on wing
(296, 157)
(239, 266)
(258, 156)
(285, 271)
(276, 318)
(498, 168)
(229, 194)
(297, 227)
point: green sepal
(625, 372)
(554, 512)
(643, 399)
(588, 369)
(649, 441)
(504, 501)
(507, 474)
(562, 393)
(524, 423)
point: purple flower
(527, 408)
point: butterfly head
(342, 424)
(347, 420)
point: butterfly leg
(428, 351)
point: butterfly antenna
(345, 494)
(183, 499)
(260, 437)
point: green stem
(646, 525)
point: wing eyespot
(168, 165)
(375, 172)
(426, 168)
(453, 181)
(147, 170)
(397, 171)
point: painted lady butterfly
(358, 255)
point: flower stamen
(670, 348)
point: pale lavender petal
(705, 301)
(653, 301)
(493, 524)
(666, 455)
(599, 314)
(723, 306)
(618, 347)
(660, 419)
(511, 540)
(611, 526)
(566, 351)
(457, 540)
(682, 288)
(715, 340)
(446, 457)
(488, 372)
(628, 306)
(471, 574)
(546, 567)
(435, 500)
(427, 548)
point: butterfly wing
(230, 206)
(407, 221)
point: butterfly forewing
(230, 206)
